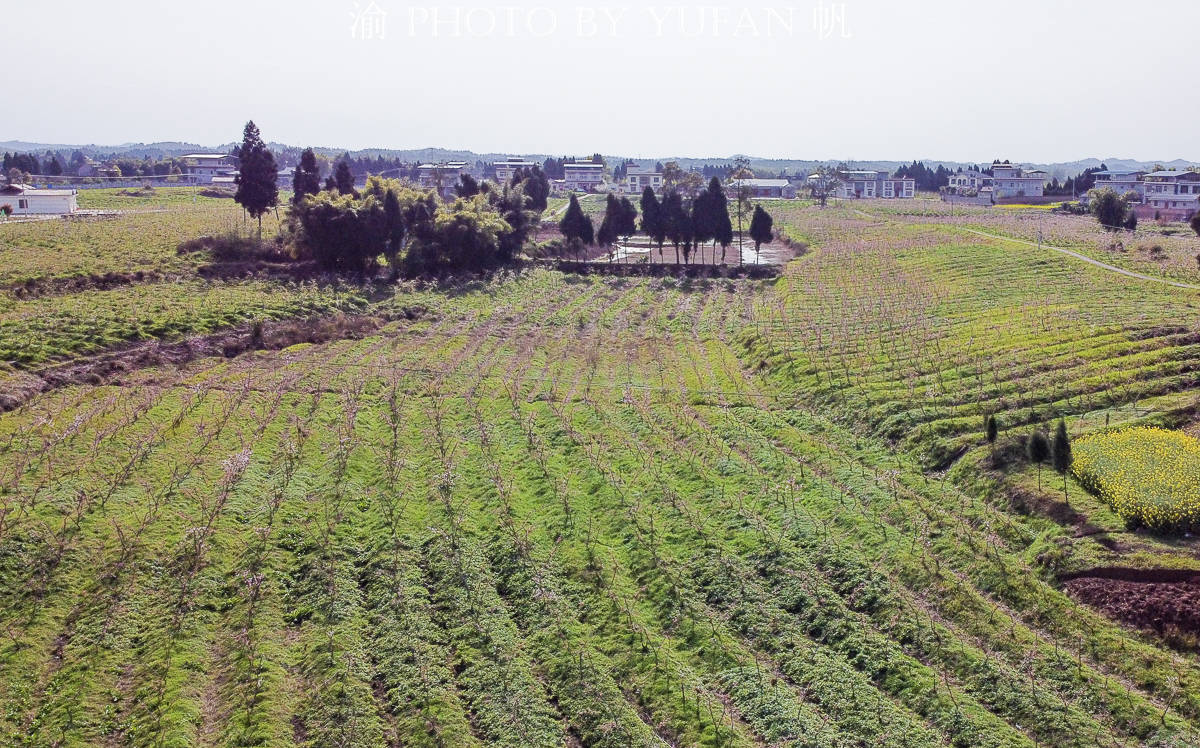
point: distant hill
(760, 164)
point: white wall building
(871, 183)
(584, 177)
(441, 177)
(1009, 180)
(969, 179)
(202, 167)
(505, 169)
(1172, 195)
(26, 200)
(1122, 182)
(640, 176)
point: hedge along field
(1150, 476)
(919, 332)
(556, 511)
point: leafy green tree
(513, 205)
(704, 218)
(1131, 220)
(1110, 209)
(1060, 451)
(343, 178)
(307, 178)
(464, 236)
(1037, 449)
(1195, 223)
(257, 189)
(676, 222)
(762, 228)
(576, 226)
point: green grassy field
(554, 510)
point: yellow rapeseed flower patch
(1149, 476)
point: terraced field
(549, 511)
(921, 330)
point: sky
(958, 80)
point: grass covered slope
(920, 331)
(552, 510)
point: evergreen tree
(1110, 209)
(330, 184)
(675, 221)
(627, 219)
(607, 233)
(576, 226)
(467, 186)
(257, 190)
(652, 218)
(1195, 223)
(344, 178)
(1037, 449)
(762, 228)
(722, 223)
(993, 431)
(537, 189)
(1060, 451)
(307, 178)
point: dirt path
(1062, 250)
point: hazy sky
(1030, 80)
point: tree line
(687, 223)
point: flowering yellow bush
(1149, 476)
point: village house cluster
(1165, 194)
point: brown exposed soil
(1165, 601)
(96, 282)
(108, 366)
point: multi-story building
(505, 169)
(203, 167)
(961, 182)
(871, 183)
(1171, 195)
(640, 176)
(1122, 182)
(583, 177)
(1010, 180)
(441, 177)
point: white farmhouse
(203, 167)
(640, 176)
(585, 177)
(27, 200)
(872, 183)
(507, 168)
(1009, 180)
(1122, 182)
(1172, 195)
(441, 177)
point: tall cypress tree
(722, 224)
(307, 179)
(652, 218)
(344, 178)
(607, 234)
(257, 191)
(576, 226)
(761, 228)
(1060, 452)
